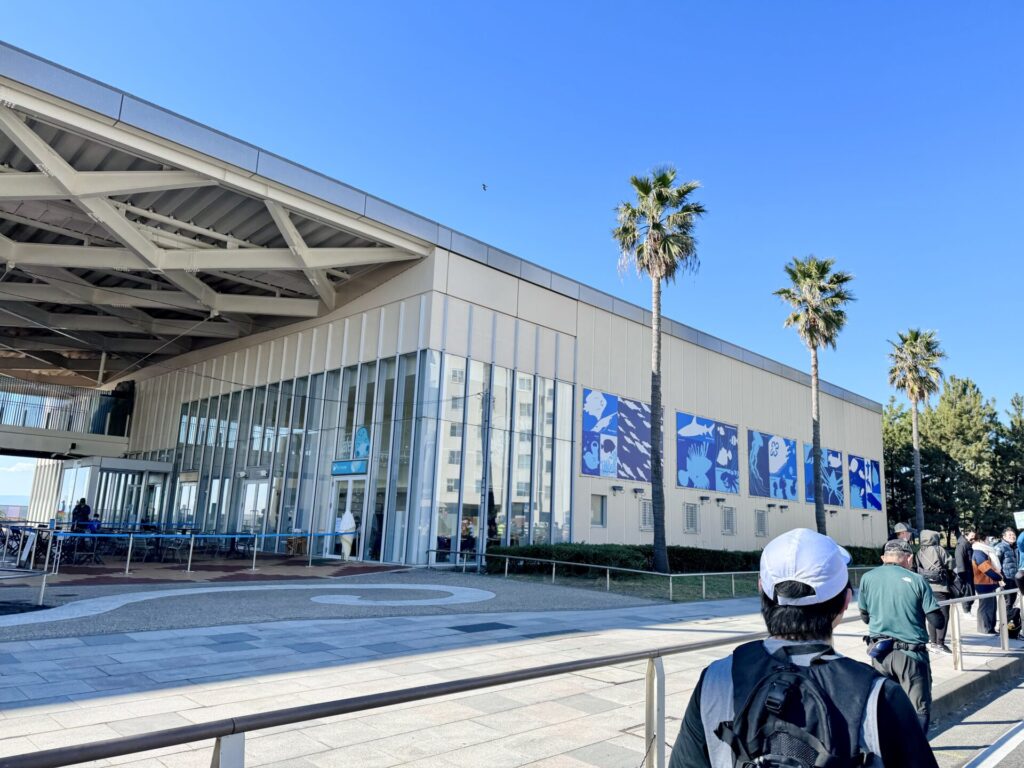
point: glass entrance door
(347, 519)
(255, 495)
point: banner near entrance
(772, 462)
(831, 476)
(865, 483)
(707, 454)
(616, 437)
(350, 467)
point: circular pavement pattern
(447, 595)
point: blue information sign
(350, 467)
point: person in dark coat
(80, 516)
(964, 566)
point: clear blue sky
(886, 135)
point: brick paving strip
(65, 691)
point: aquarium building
(298, 356)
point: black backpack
(788, 716)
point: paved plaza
(107, 663)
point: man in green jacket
(897, 604)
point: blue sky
(884, 135)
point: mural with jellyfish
(707, 454)
(772, 465)
(616, 437)
(865, 483)
(831, 476)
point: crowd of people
(792, 700)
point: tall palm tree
(818, 297)
(655, 235)
(915, 371)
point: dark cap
(897, 546)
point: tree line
(971, 461)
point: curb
(972, 684)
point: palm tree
(818, 297)
(655, 235)
(915, 372)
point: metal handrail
(100, 750)
(229, 732)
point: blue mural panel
(865, 483)
(831, 476)
(772, 465)
(707, 454)
(616, 437)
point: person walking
(964, 566)
(935, 565)
(791, 699)
(896, 604)
(987, 579)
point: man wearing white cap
(791, 699)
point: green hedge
(641, 557)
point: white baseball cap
(808, 557)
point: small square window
(452, 485)
(729, 521)
(691, 518)
(598, 510)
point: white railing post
(607, 579)
(191, 547)
(703, 587)
(670, 598)
(309, 548)
(958, 643)
(1004, 635)
(506, 567)
(42, 590)
(255, 541)
(229, 752)
(733, 577)
(654, 715)
(49, 546)
(128, 562)
(553, 572)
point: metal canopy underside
(117, 259)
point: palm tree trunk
(657, 468)
(819, 491)
(918, 496)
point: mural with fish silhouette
(616, 437)
(831, 476)
(865, 483)
(707, 454)
(772, 465)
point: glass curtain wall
(462, 455)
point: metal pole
(309, 548)
(254, 543)
(229, 751)
(191, 547)
(670, 598)
(703, 587)
(654, 714)
(506, 567)
(553, 573)
(7, 543)
(608, 580)
(49, 546)
(128, 562)
(733, 577)
(958, 649)
(1004, 635)
(42, 590)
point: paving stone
(607, 755)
